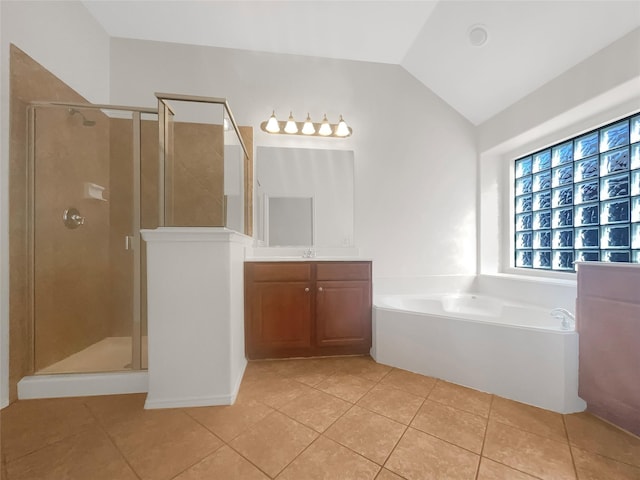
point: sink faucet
(309, 253)
(567, 320)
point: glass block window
(579, 200)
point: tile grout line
(408, 425)
(484, 438)
(573, 460)
(104, 430)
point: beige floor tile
(530, 453)
(272, 391)
(490, 470)
(464, 398)
(594, 435)
(87, 455)
(316, 409)
(309, 371)
(455, 426)
(388, 475)
(396, 404)
(367, 433)
(526, 417)
(364, 367)
(347, 387)
(420, 456)
(327, 460)
(223, 464)
(229, 421)
(591, 466)
(260, 369)
(29, 425)
(273, 442)
(159, 444)
(417, 384)
(113, 409)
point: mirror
(310, 193)
(290, 221)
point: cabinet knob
(319, 289)
(306, 289)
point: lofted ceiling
(528, 43)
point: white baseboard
(82, 385)
(203, 401)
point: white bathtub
(514, 350)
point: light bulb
(291, 126)
(325, 128)
(308, 128)
(272, 124)
(342, 129)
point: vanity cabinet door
(343, 314)
(280, 318)
(278, 309)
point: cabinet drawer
(343, 271)
(278, 272)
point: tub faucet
(567, 320)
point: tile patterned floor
(315, 419)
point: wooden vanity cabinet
(301, 309)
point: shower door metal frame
(165, 117)
(136, 334)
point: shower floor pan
(111, 354)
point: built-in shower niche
(93, 185)
(206, 164)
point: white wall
(414, 155)
(599, 90)
(65, 39)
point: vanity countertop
(305, 259)
(301, 254)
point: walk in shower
(93, 180)
(98, 174)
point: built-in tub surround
(515, 350)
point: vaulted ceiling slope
(528, 43)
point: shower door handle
(72, 218)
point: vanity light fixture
(291, 126)
(342, 130)
(307, 128)
(325, 128)
(272, 125)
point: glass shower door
(85, 244)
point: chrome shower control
(72, 218)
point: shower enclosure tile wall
(71, 269)
(29, 82)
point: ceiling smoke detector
(478, 35)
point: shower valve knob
(72, 218)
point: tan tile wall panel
(121, 220)
(29, 81)
(121, 215)
(247, 138)
(71, 270)
(196, 179)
